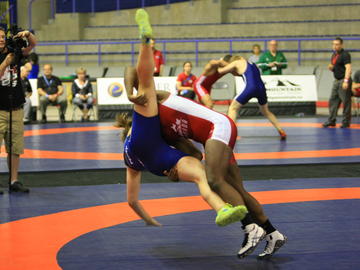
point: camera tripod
(10, 134)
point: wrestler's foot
(253, 236)
(282, 135)
(229, 214)
(145, 30)
(274, 241)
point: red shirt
(186, 80)
(158, 60)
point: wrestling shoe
(17, 186)
(229, 214)
(142, 20)
(282, 135)
(274, 241)
(329, 124)
(253, 236)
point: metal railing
(227, 48)
(117, 5)
(9, 11)
(73, 4)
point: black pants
(338, 95)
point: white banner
(111, 91)
(166, 84)
(281, 88)
(35, 95)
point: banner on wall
(285, 88)
(111, 91)
(35, 95)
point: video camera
(15, 45)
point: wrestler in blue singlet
(145, 149)
(254, 86)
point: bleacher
(214, 20)
(199, 30)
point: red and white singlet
(181, 117)
(203, 84)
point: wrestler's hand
(138, 99)
(153, 222)
(172, 174)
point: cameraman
(12, 98)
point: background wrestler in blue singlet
(254, 88)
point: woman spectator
(256, 52)
(82, 93)
(185, 81)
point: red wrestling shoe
(282, 135)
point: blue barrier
(74, 6)
(298, 6)
(228, 47)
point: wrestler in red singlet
(203, 84)
(181, 117)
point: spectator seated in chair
(82, 93)
(51, 93)
(185, 82)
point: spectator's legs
(63, 104)
(87, 106)
(78, 102)
(89, 102)
(44, 102)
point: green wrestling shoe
(229, 214)
(145, 30)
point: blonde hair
(80, 70)
(123, 120)
(235, 57)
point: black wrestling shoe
(62, 118)
(329, 124)
(345, 125)
(43, 120)
(17, 186)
